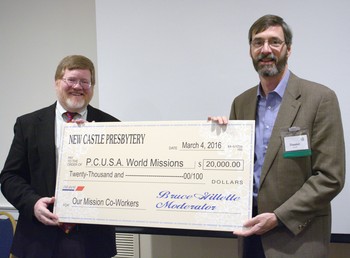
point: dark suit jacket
(299, 190)
(29, 173)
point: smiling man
(29, 175)
(299, 163)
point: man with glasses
(299, 164)
(29, 175)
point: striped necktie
(70, 116)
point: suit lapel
(250, 110)
(285, 118)
(91, 114)
(45, 135)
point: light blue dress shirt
(266, 114)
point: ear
(289, 51)
(250, 52)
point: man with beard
(299, 163)
(29, 175)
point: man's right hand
(43, 214)
(221, 120)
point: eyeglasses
(273, 43)
(72, 81)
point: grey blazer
(299, 190)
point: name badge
(295, 142)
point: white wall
(34, 36)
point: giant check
(177, 174)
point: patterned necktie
(67, 227)
(70, 116)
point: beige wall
(34, 36)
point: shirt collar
(281, 87)
(61, 110)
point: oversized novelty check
(173, 174)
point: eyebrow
(267, 38)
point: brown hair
(75, 62)
(267, 21)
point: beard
(269, 70)
(71, 103)
(75, 104)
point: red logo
(80, 188)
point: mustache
(268, 56)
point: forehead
(80, 73)
(270, 32)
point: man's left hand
(259, 225)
